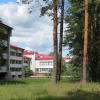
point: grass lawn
(42, 89)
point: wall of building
(43, 66)
(26, 63)
(16, 62)
(5, 67)
(32, 62)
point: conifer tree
(61, 41)
(75, 35)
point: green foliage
(28, 72)
(49, 73)
(69, 69)
(74, 67)
(42, 89)
(75, 35)
(63, 67)
(48, 9)
(51, 53)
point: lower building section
(43, 71)
(40, 74)
(2, 75)
(17, 75)
(6, 75)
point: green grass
(42, 89)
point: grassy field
(42, 89)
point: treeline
(75, 36)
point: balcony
(5, 43)
(5, 55)
(16, 65)
(5, 31)
(25, 64)
(15, 58)
(18, 73)
(3, 69)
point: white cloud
(28, 49)
(30, 30)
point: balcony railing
(18, 73)
(25, 64)
(5, 43)
(5, 55)
(15, 58)
(3, 69)
(15, 65)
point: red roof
(43, 56)
(26, 57)
(16, 46)
(66, 58)
(30, 52)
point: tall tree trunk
(85, 43)
(54, 76)
(60, 42)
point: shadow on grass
(77, 95)
(10, 82)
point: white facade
(32, 62)
(44, 66)
(41, 63)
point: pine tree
(75, 35)
(52, 5)
(61, 41)
(85, 56)
(75, 30)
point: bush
(28, 73)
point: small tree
(74, 68)
(63, 67)
(28, 72)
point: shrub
(28, 72)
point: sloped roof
(6, 25)
(43, 56)
(16, 46)
(30, 52)
(26, 57)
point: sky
(30, 31)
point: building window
(44, 69)
(46, 63)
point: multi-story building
(44, 64)
(5, 65)
(26, 63)
(16, 61)
(41, 63)
(32, 55)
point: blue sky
(6, 1)
(30, 31)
